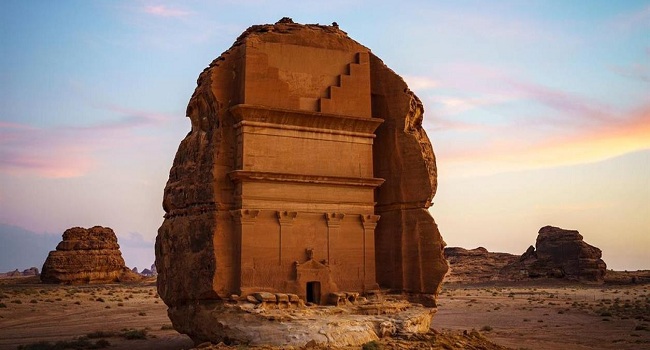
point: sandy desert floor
(551, 315)
(541, 316)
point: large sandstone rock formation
(86, 256)
(306, 171)
(559, 253)
(475, 265)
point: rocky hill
(558, 253)
(86, 256)
(475, 265)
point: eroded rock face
(475, 265)
(307, 171)
(560, 253)
(86, 256)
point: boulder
(86, 256)
(559, 253)
(306, 171)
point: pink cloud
(511, 150)
(634, 19)
(417, 83)
(561, 101)
(64, 152)
(165, 11)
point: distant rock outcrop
(559, 253)
(87, 256)
(32, 271)
(475, 265)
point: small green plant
(641, 327)
(79, 344)
(131, 334)
(100, 334)
(3, 305)
(371, 345)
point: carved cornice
(314, 121)
(261, 176)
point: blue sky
(539, 111)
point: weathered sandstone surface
(562, 254)
(86, 256)
(558, 253)
(268, 320)
(307, 172)
(476, 265)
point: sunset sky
(539, 111)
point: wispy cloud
(636, 19)
(636, 71)
(64, 152)
(418, 83)
(629, 133)
(555, 128)
(166, 11)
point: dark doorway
(313, 292)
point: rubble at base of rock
(284, 320)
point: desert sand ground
(532, 316)
(550, 315)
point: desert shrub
(3, 305)
(16, 301)
(486, 328)
(131, 334)
(142, 313)
(80, 344)
(100, 334)
(371, 345)
(101, 300)
(42, 345)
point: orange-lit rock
(87, 256)
(306, 172)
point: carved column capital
(369, 221)
(245, 216)
(286, 217)
(334, 219)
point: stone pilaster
(333, 227)
(285, 218)
(245, 223)
(369, 223)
